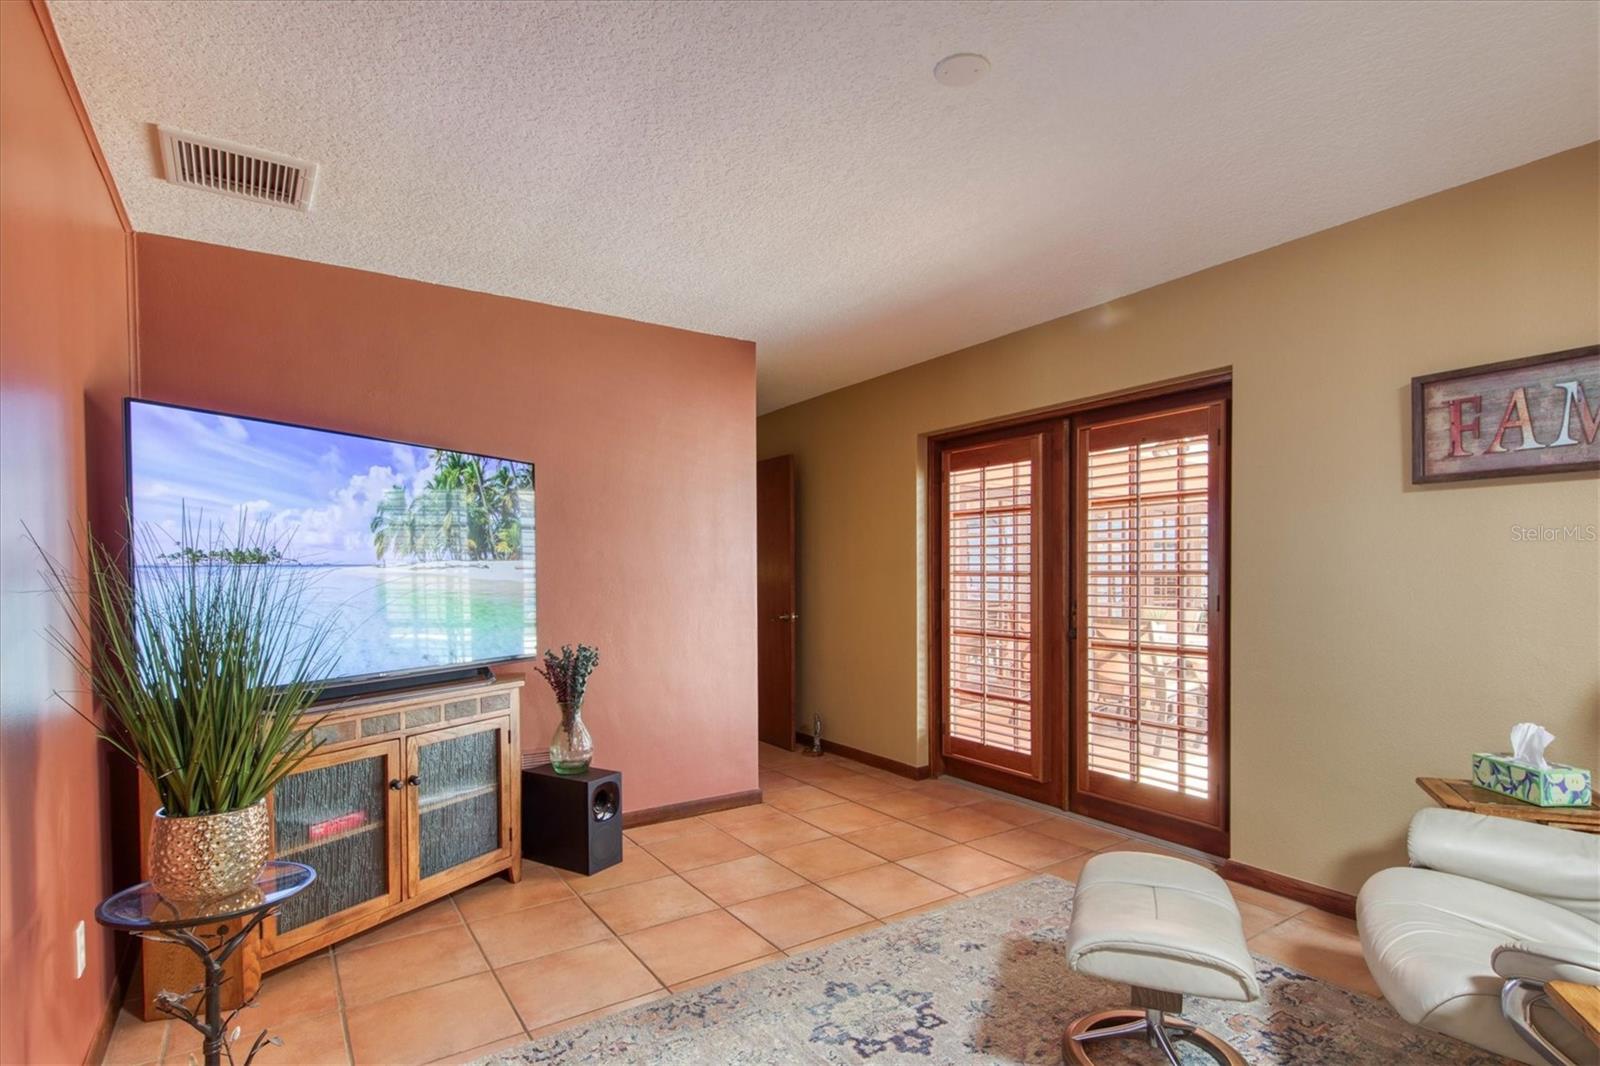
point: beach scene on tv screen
(423, 557)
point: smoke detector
(960, 70)
(236, 170)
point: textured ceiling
(791, 173)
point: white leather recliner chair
(1463, 940)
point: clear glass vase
(572, 748)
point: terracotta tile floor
(836, 849)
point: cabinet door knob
(396, 784)
(413, 780)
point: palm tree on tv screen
(463, 513)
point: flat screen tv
(423, 556)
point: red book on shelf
(329, 826)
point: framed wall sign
(1539, 415)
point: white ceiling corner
(791, 173)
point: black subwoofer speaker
(572, 821)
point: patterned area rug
(984, 980)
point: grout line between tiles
(473, 933)
(637, 958)
(870, 922)
(444, 981)
(1268, 929)
(662, 981)
(352, 945)
(955, 896)
(661, 985)
(344, 1020)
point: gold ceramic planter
(209, 855)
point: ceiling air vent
(236, 170)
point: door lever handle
(787, 618)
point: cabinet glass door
(460, 812)
(338, 814)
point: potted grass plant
(571, 749)
(205, 664)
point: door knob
(396, 784)
(413, 780)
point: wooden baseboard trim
(1324, 899)
(866, 758)
(668, 812)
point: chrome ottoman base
(1162, 1025)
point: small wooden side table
(1578, 1004)
(1463, 795)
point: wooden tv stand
(411, 796)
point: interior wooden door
(777, 620)
(999, 669)
(1148, 620)
(459, 810)
(341, 814)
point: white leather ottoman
(1167, 927)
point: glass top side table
(143, 911)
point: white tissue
(1528, 742)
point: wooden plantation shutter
(1150, 722)
(991, 594)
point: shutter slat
(989, 577)
(1147, 600)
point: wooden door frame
(1150, 397)
(328, 929)
(1209, 836)
(482, 865)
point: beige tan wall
(1380, 631)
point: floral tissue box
(1558, 785)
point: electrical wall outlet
(81, 937)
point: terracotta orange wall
(644, 443)
(65, 356)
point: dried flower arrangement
(571, 749)
(568, 674)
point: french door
(995, 588)
(1147, 622)
(1079, 613)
